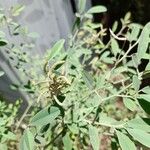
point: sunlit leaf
(115, 47)
(108, 121)
(135, 30)
(130, 104)
(125, 142)
(146, 89)
(27, 141)
(88, 79)
(135, 60)
(145, 97)
(115, 26)
(45, 116)
(17, 9)
(74, 128)
(136, 83)
(67, 142)
(139, 123)
(81, 5)
(94, 137)
(141, 136)
(97, 9)
(144, 41)
(1, 73)
(127, 16)
(56, 49)
(10, 135)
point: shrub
(90, 91)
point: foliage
(8, 113)
(90, 91)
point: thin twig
(117, 37)
(27, 110)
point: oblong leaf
(144, 41)
(141, 136)
(135, 30)
(136, 83)
(94, 137)
(88, 79)
(125, 142)
(45, 116)
(97, 9)
(145, 97)
(27, 141)
(56, 49)
(67, 142)
(16, 10)
(81, 5)
(3, 42)
(1, 73)
(130, 104)
(139, 123)
(115, 46)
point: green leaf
(10, 136)
(88, 79)
(93, 26)
(127, 17)
(97, 9)
(135, 60)
(115, 47)
(73, 128)
(135, 30)
(67, 142)
(136, 83)
(115, 26)
(130, 104)
(27, 141)
(45, 116)
(141, 136)
(16, 10)
(139, 123)
(145, 97)
(2, 121)
(144, 41)
(81, 5)
(146, 89)
(3, 146)
(105, 120)
(125, 142)
(56, 49)
(3, 42)
(1, 73)
(94, 137)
